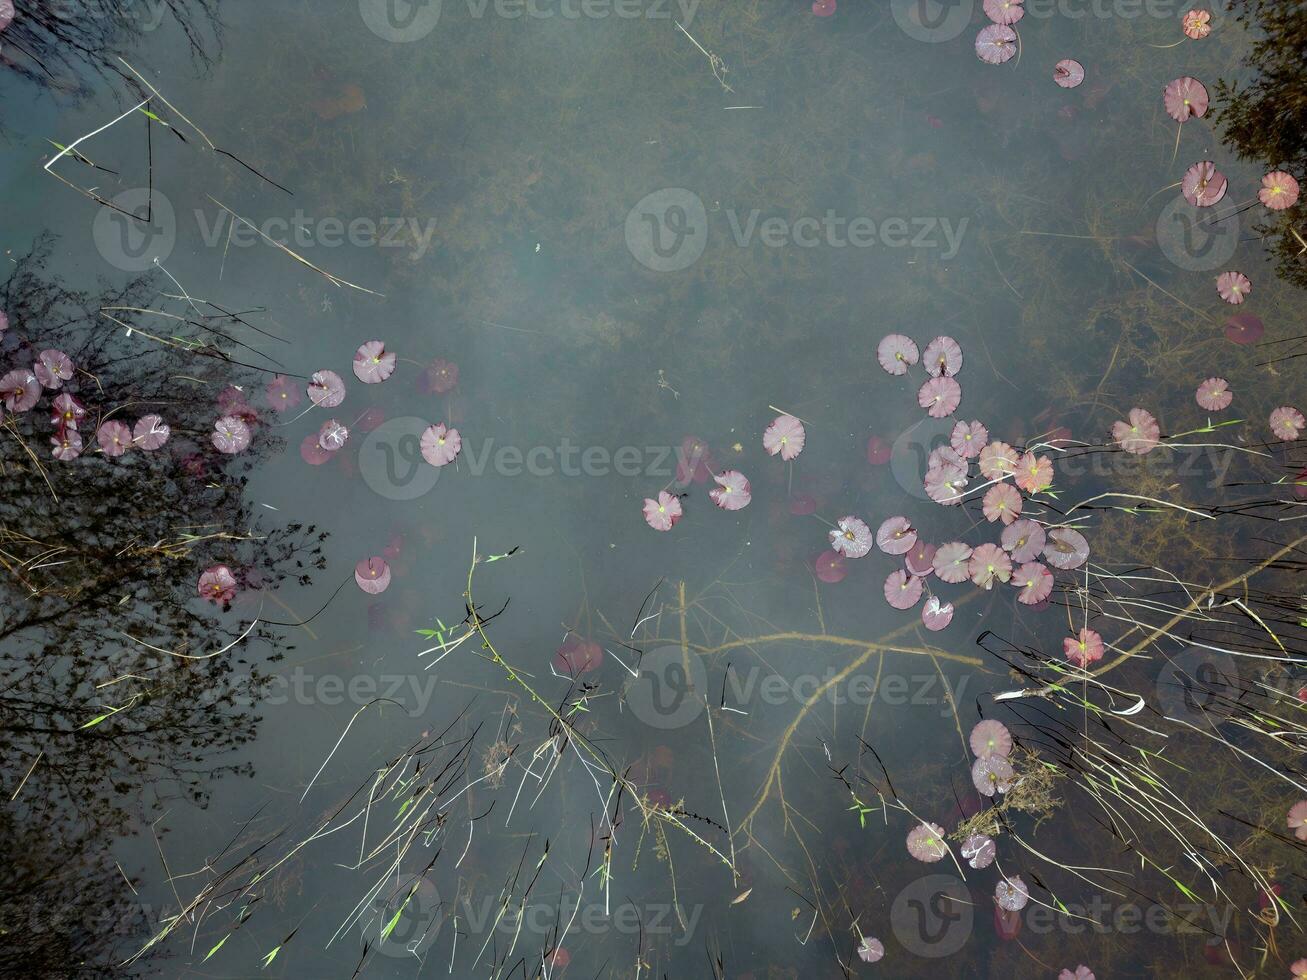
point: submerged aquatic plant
(1244, 328)
(283, 394)
(439, 377)
(830, 567)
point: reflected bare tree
(63, 45)
(1265, 118)
(119, 687)
(66, 908)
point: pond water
(610, 243)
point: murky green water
(625, 226)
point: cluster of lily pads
(784, 437)
(992, 773)
(1184, 98)
(22, 388)
(1025, 554)
(1025, 547)
(440, 444)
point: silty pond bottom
(641, 489)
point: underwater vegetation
(972, 587)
